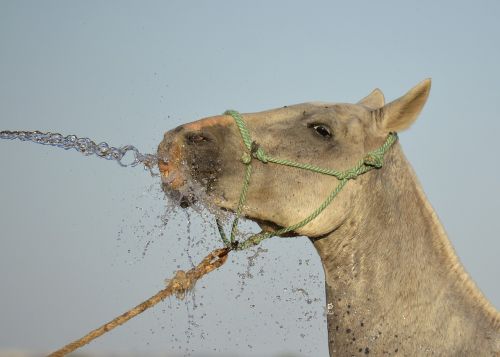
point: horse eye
(322, 130)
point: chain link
(85, 146)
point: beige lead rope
(178, 285)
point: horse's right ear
(401, 113)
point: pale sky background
(74, 229)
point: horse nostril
(196, 138)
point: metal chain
(85, 146)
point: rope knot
(374, 160)
(246, 158)
(258, 152)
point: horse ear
(374, 100)
(401, 113)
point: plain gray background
(74, 235)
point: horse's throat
(392, 277)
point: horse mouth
(173, 185)
(170, 174)
(183, 200)
(173, 182)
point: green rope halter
(372, 160)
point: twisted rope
(178, 285)
(372, 160)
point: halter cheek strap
(372, 160)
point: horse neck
(391, 273)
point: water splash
(189, 244)
(150, 231)
(251, 262)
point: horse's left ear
(401, 113)
(374, 100)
